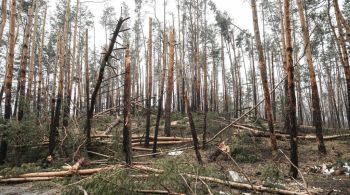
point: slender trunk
(40, 71)
(3, 17)
(291, 92)
(149, 86)
(224, 92)
(262, 65)
(160, 99)
(32, 55)
(87, 79)
(205, 79)
(170, 85)
(127, 107)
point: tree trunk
(62, 53)
(317, 117)
(3, 17)
(160, 99)
(343, 54)
(32, 55)
(291, 93)
(205, 79)
(127, 107)
(87, 80)
(90, 112)
(262, 65)
(9, 75)
(40, 71)
(149, 87)
(193, 131)
(24, 64)
(170, 85)
(224, 92)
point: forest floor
(252, 154)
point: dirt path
(27, 189)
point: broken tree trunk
(193, 131)
(90, 112)
(170, 85)
(127, 108)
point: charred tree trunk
(170, 85)
(262, 65)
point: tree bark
(262, 66)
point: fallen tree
(244, 186)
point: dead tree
(127, 108)
(107, 55)
(170, 85)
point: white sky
(239, 10)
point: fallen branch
(243, 186)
